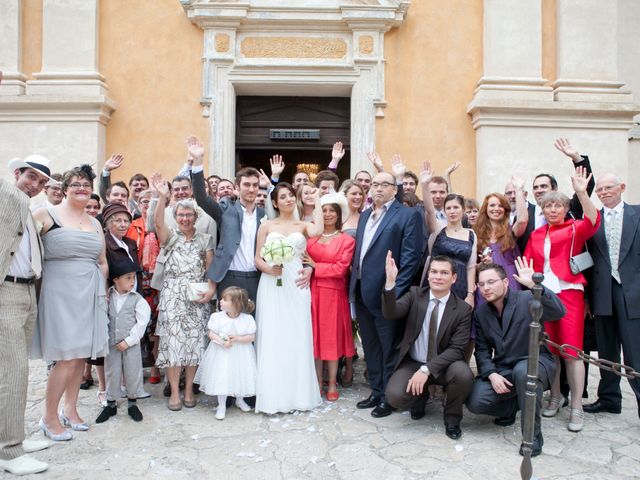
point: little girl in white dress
(229, 364)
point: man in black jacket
(502, 347)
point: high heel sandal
(552, 408)
(333, 396)
(78, 427)
(56, 437)
(102, 397)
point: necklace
(331, 234)
(456, 229)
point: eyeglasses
(144, 202)
(76, 186)
(185, 215)
(382, 184)
(606, 188)
(488, 283)
(120, 220)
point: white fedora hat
(36, 162)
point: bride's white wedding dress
(284, 344)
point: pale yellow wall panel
(433, 63)
(549, 54)
(31, 37)
(151, 56)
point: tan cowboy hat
(36, 162)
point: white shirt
(619, 209)
(244, 259)
(371, 228)
(539, 217)
(419, 349)
(21, 264)
(143, 314)
(551, 280)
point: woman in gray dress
(72, 312)
(181, 322)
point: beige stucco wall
(150, 55)
(433, 63)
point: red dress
(330, 314)
(570, 328)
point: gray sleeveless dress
(72, 310)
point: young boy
(129, 315)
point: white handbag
(194, 289)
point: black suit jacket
(599, 277)
(399, 231)
(500, 345)
(453, 331)
(575, 208)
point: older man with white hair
(614, 295)
(20, 266)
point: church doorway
(301, 129)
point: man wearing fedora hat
(20, 266)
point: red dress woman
(330, 255)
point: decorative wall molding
(259, 47)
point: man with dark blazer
(386, 226)
(238, 221)
(432, 348)
(614, 296)
(502, 347)
(545, 182)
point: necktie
(433, 331)
(36, 257)
(612, 228)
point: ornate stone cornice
(56, 108)
(382, 15)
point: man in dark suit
(388, 225)
(238, 222)
(545, 182)
(614, 294)
(432, 348)
(502, 347)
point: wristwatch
(424, 369)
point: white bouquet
(277, 252)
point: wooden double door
(301, 129)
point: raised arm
(448, 172)
(204, 201)
(113, 162)
(522, 212)
(563, 145)
(162, 231)
(277, 167)
(336, 155)
(376, 161)
(580, 182)
(393, 308)
(429, 210)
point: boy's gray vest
(121, 323)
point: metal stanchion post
(535, 308)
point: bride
(286, 372)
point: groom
(238, 221)
(387, 226)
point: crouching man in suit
(432, 349)
(502, 347)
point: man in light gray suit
(20, 266)
(238, 222)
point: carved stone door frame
(252, 48)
